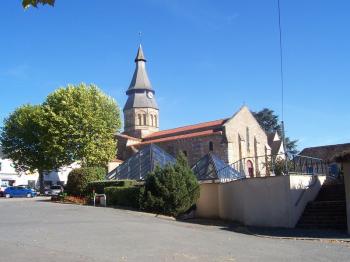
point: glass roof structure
(142, 163)
(211, 167)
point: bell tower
(141, 112)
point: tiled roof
(128, 137)
(177, 137)
(325, 152)
(191, 129)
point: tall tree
(25, 140)
(269, 121)
(35, 3)
(82, 122)
(76, 123)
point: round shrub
(171, 190)
(78, 179)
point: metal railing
(268, 165)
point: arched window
(152, 120)
(211, 146)
(140, 119)
(155, 121)
(144, 119)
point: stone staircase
(328, 210)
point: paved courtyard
(38, 230)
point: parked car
(19, 191)
(55, 190)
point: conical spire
(140, 56)
(140, 92)
(140, 78)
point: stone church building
(238, 138)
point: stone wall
(140, 128)
(246, 139)
(197, 147)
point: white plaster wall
(8, 172)
(207, 205)
(113, 165)
(265, 201)
(6, 167)
(61, 174)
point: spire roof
(140, 86)
(140, 56)
(140, 80)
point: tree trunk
(41, 182)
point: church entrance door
(250, 168)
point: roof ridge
(343, 144)
(188, 127)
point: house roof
(211, 126)
(326, 153)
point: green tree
(171, 190)
(77, 123)
(82, 123)
(269, 121)
(24, 139)
(35, 3)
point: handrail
(299, 164)
(304, 190)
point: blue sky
(205, 58)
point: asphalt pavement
(39, 230)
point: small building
(9, 176)
(329, 154)
(276, 144)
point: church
(235, 139)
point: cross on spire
(140, 37)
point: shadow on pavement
(293, 233)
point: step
(322, 219)
(334, 226)
(328, 203)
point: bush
(78, 179)
(171, 190)
(123, 196)
(100, 186)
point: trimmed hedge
(100, 186)
(78, 179)
(123, 196)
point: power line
(281, 59)
(282, 87)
